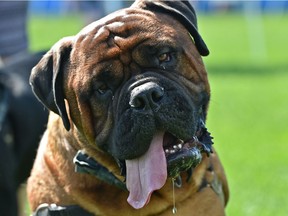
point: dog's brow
(105, 75)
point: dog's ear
(183, 12)
(46, 78)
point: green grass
(249, 105)
(238, 39)
(249, 110)
(44, 31)
(248, 118)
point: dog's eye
(102, 88)
(164, 57)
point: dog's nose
(145, 96)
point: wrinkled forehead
(132, 25)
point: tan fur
(53, 179)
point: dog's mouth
(167, 156)
(185, 155)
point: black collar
(85, 164)
(54, 210)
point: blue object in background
(47, 7)
(206, 6)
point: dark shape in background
(22, 122)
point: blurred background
(248, 71)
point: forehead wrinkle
(126, 35)
(118, 35)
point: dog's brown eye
(164, 57)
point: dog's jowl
(128, 97)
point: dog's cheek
(193, 68)
(97, 119)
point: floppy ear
(46, 78)
(183, 12)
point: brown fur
(53, 179)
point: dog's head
(136, 87)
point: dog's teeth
(173, 149)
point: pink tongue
(146, 173)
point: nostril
(137, 102)
(157, 94)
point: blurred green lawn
(249, 108)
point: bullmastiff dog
(126, 136)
